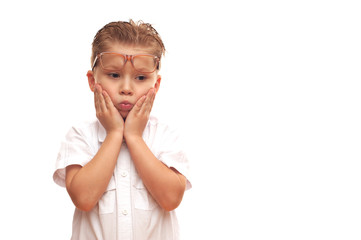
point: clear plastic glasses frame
(132, 58)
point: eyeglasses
(111, 61)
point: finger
(96, 99)
(108, 102)
(140, 103)
(153, 96)
(149, 100)
(101, 100)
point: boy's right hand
(107, 114)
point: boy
(125, 172)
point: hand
(138, 117)
(107, 114)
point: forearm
(86, 185)
(166, 185)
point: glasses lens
(111, 61)
(144, 63)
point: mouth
(125, 106)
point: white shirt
(126, 210)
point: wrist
(133, 139)
(115, 135)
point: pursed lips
(125, 106)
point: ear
(91, 80)
(157, 83)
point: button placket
(124, 215)
(124, 173)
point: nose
(125, 87)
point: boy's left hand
(138, 117)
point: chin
(124, 114)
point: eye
(141, 78)
(113, 75)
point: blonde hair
(137, 33)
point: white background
(267, 94)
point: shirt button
(125, 212)
(124, 173)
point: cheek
(112, 96)
(110, 91)
(143, 90)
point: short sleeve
(74, 150)
(172, 153)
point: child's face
(124, 86)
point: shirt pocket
(107, 201)
(142, 198)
